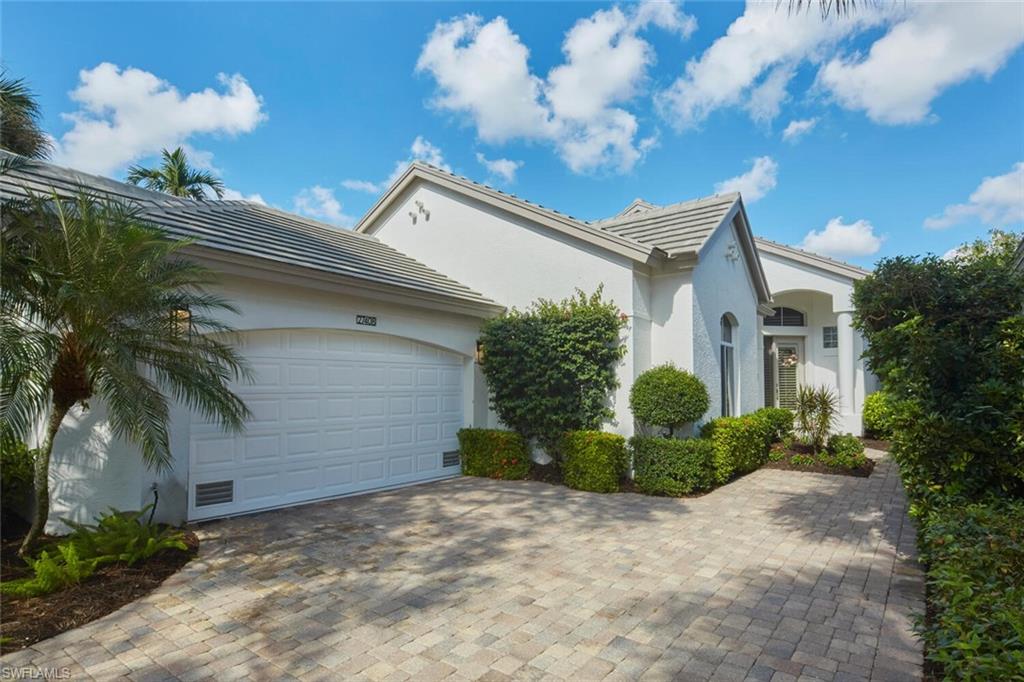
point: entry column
(847, 361)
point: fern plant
(123, 537)
(51, 573)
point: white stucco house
(363, 342)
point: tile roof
(676, 229)
(255, 230)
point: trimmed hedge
(975, 558)
(740, 444)
(779, 421)
(493, 453)
(669, 466)
(594, 461)
(877, 415)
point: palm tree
(96, 304)
(827, 7)
(19, 120)
(176, 177)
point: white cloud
(753, 63)
(319, 202)
(998, 201)
(501, 168)
(235, 195)
(482, 71)
(125, 115)
(935, 46)
(798, 128)
(842, 239)
(421, 149)
(361, 186)
(755, 183)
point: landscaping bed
(782, 457)
(25, 620)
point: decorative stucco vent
(218, 492)
(450, 459)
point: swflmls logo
(366, 320)
(8, 672)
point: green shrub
(779, 421)
(668, 397)
(122, 537)
(670, 466)
(551, 368)
(740, 444)
(946, 337)
(803, 460)
(16, 464)
(594, 461)
(877, 415)
(493, 453)
(844, 451)
(975, 559)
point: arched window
(784, 317)
(727, 365)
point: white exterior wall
(723, 285)
(820, 364)
(516, 262)
(791, 280)
(92, 471)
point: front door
(788, 370)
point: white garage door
(334, 413)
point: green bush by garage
(493, 453)
(671, 466)
(594, 460)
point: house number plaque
(366, 320)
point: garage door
(334, 413)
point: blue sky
(906, 122)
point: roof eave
(812, 259)
(245, 265)
(747, 243)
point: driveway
(777, 576)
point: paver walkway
(777, 576)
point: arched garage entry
(334, 413)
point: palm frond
(20, 115)
(101, 290)
(176, 177)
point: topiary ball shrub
(668, 397)
(594, 461)
(670, 466)
(493, 453)
(877, 415)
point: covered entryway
(334, 413)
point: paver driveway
(776, 576)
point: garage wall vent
(450, 458)
(218, 492)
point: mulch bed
(817, 468)
(25, 621)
